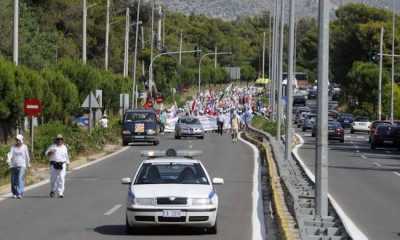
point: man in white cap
(59, 158)
(18, 159)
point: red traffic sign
(32, 107)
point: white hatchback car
(171, 188)
(360, 124)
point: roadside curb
(286, 222)
(7, 194)
(349, 225)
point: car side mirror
(218, 181)
(126, 181)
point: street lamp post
(380, 75)
(321, 164)
(280, 71)
(16, 32)
(126, 49)
(85, 8)
(135, 56)
(393, 47)
(201, 59)
(151, 83)
(107, 35)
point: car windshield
(190, 121)
(140, 116)
(172, 173)
(334, 125)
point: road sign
(93, 103)
(32, 107)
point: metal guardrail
(300, 196)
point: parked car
(299, 100)
(140, 125)
(335, 131)
(360, 124)
(384, 135)
(346, 119)
(309, 122)
(188, 127)
(373, 126)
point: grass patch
(264, 125)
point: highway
(365, 183)
(94, 203)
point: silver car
(188, 127)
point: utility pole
(321, 165)
(126, 50)
(135, 55)
(163, 30)
(143, 46)
(289, 86)
(393, 48)
(16, 32)
(180, 50)
(151, 48)
(159, 38)
(84, 55)
(380, 75)
(107, 35)
(274, 59)
(280, 70)
(270, 55)
(215, 58)
(263, 58)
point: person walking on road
(163, 121)
(235, 128)
(59, 159)
(18, 159)
(220, 123)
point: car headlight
(151, 131)
(201, 201)
(145, 201)
(126, 132)
(131, 198)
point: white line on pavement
(112, 210)
(397, 173)
(377, 164)
(358, 151)
(257, 218)
(387, 151)
(363, 156)
(349, 225)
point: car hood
(168, 190)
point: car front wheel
(128, 228)
(213, 229)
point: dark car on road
(373, 126)
(299, 100)
(335, 131)
(385, 135)
(140, 126)
(309, 121)
(345, 119)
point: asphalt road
(93, 207)
(365, 183)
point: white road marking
(387, 151)
(258, 232)
(112, 210)
(363, 156)
(349, 225)
(397, 173)
(377, 164)
(357, 151)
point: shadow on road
(119, 230)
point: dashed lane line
(112, 210)
(397, 173)
(377, 164)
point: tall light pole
(289, 86)
(107, 35)
(180, 48)
(270, 56)
(135, 55)
(84, 55)
(163, 54)
(16, 32)
(201, 59)
(321, 164)
(380, 75)
(126, 50)
(151, 48)
(280, 73)
(393, 48)
(263, 58)
(274, 59)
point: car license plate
(139, 128)
(172, 213)
(363, 124)
(331, 131)
(388, 142)
(139, 137)
(346, 121)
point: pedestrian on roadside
(235, 128)
(104, 121)
(163, 121)
(18, 159)
(59, 159)
(220, 123)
